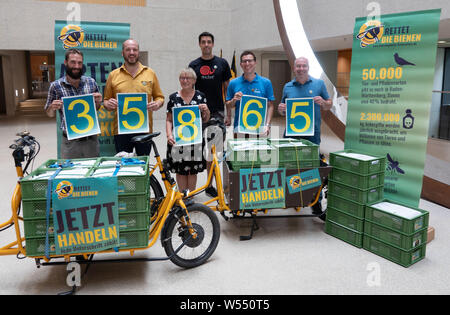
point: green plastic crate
(356, 180)
(128, 221)
(348, 206)
(350, 236)
(340, 159)
(354, 193)
(252, 154)
(36, 247)
(111, 161)
(293, 150)
(37, 208)
(345, 219)
(38, 228)
(36, 188)
(133, 239)
(300, 164)
(392, 253)
(397, 222)
(134, 221)
(402, 241)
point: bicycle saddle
(145, 138)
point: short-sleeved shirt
(185, 160)
(62, 88)
(313, 87)
(210, 77)
(259, 86)
(145, 81)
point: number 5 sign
(187, 125)
(299, 117)
(80, 116)
(132, 114)
(252, 114)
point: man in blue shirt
(250, 83)
(306, 86)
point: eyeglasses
(185, 78)
(247, 60)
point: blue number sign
(299, 117)
(252, 114)
(187, 125)
(80, 116)
(132, 114)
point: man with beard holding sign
(72, 84)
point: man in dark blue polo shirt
(304, 85)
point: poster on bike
(300, 116)
(85, 215)
(262, 188)
(101, 45)
(252, 115)
(391, 83)
(187, 125)
(81, 116)
(132, 113)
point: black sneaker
(317, 208)
(211, 192)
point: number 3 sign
(252, 114)
(299, 117)
(80, 116)
(187, 125)
(132, 114)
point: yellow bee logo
(72, 36)
(370, 33)
(295, 182)
(64, 189)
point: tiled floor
(286, 256)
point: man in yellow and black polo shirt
(132, 77)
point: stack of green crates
(133, 202)
(355, 180)
(396, 232)
(293, 153)
(274, 153)
(250, 153)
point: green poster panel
(392, 73)
(101, 44)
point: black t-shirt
(210, 76)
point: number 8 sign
(132, 114)
(187, 125)
(299, 117)
(252, 114)
(80, 116)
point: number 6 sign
(80, 116)
(187, 125)
(132, 114)
(252, 114)
(299, 117)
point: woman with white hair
(186, 161)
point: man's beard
(76, 76)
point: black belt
(79, 139)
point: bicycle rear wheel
(197, 249)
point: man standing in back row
(213, 77)
(132, 77)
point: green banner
(85, 215)
(392, 73)
(101, 44)
(262, 188)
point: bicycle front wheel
(200, 245)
